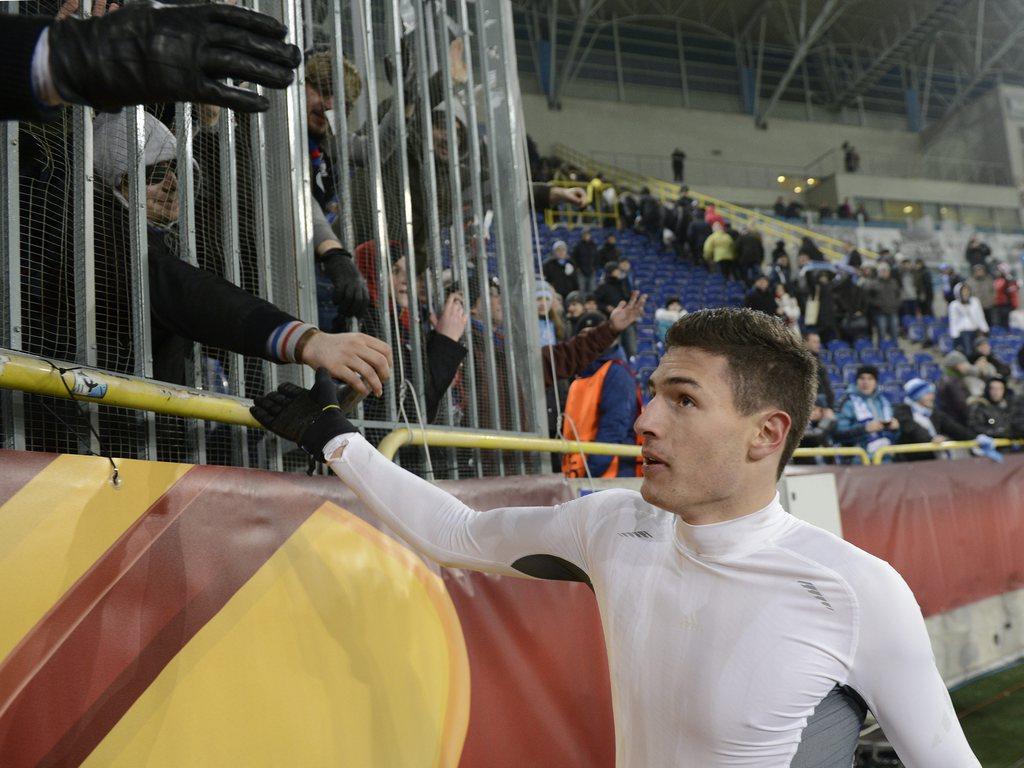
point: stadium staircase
(791, 234)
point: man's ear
(772, 430)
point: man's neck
(731, 508)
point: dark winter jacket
(611, 292)
(562, 275)
(749, 250)
(884, 295)
(987, 418)
(762, 301)
(951, 396)
(584, 253)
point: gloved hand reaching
(351, 296)
(309, 417)
(150, 53)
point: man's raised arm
(545, 542)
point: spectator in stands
(845, 209)
(665, 317)
(711, 215)
(780, 207)
(602, 405)
(819, 310)
(861, 214)
(824, 212)
(609, 251)
(585, 256)
(948, 281)
(574, 310)
(924, 289)
(909, 305)
(779, 274)
(1007, 296)
(191, 304)
(985, 361)
(853, 309)
(559, 271)
(953, 391)
(813, 343)
(1017, 414)
(613, 288)
(651, 216)
(788, 309)
(884, 302)
(819, 432)
(808, 246)
(544, 295)
(966, 319)
(319, 101)
(590, 303)
(865, 415)
(921, 422)
(854, 259)
(851, 159)
(720, 250)
(983, 288)
(977, 252)
(678, 160)
(989, 414)
(749, 254)
(626, 268)
(794, 210)
(762, 298)
(779, 250)
(697, 234)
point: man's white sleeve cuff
(337, 442)
(42, 78)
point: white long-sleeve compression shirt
(754, 642)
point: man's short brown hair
(320, 76)
(769, 367)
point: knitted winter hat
(915, 389)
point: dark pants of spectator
(588, 283)
(990, 316)
(908, 307)
(1001, 316)
(965, 342)
(628, 340)
(888, 324)
(726, 268)
(925, 308)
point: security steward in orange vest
(602, 405)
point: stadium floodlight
(781, 179)
(798, 190)
(811, 182)
(908, 209)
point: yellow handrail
(445, 439)
(35, 375)
(833, 247)
(948, 445)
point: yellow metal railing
(949, 445)
(832, 247)
(444, 439)
(38, 376)
(572, 219)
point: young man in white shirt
(737, 635)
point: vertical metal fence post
(85, 253)
(228, 170)
(142, 339)
(341, 129)
(12, 404)
(258, 137)
(397, 148)
(187, 252)
(482, 267)
(458, 242)
(423, 76)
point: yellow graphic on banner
(56, 527)
(342, 650)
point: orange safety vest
(581, 417)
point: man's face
(817, 412)
(590, 305)
(561, 252)
(675, 306)
(611, 240)
(543, 306)
(696, 444)
(316, 111)
(866, 384)
(575, 309)
(927, 400)
(813, 343)
(624, 266)
(979, 271)
(440, 142)
(983, 348)
(996, 391)
(586, 237)
(761, 284)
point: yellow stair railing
(792, 234)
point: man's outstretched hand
(627, 313)
(151, 53)
(309, 417)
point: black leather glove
(309, 417)
(351, 296)
(149, 53)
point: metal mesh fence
(398, 142)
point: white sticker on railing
(87, 386)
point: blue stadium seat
(860, 344)
(921, 358)
(871, 357)
(837, 344)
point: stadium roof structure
(923, 58)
